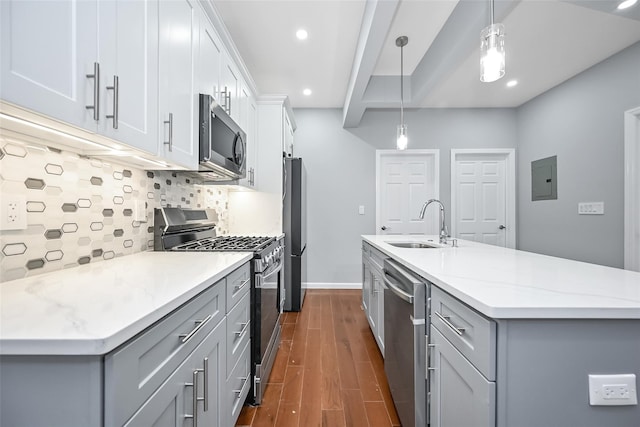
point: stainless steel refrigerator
(294, 223)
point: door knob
(383, 228)
(502, 227)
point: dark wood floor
(328, 370)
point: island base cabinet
(544, 379)
(180, 401)
(373, 292)
(460, 395)
(40, 391)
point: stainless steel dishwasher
(405, 342)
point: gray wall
(580, 121)
(341, 172)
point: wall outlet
(13, 212)
(361, 209)
(612, 390)
(591, 208)
(140, 211)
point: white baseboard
(332, 285)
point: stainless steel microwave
(222, 143)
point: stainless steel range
(177, 229)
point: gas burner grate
(226, 243)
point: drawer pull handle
(446, 321)
(243, 330)
(199, 325)
(236, 289)
(244, 383)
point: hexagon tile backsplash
(80, 210)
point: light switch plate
(591, 208)
(361, 209)
(613, 390)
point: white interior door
(405, 180)
(632, 190)
(480, 186)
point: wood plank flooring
(328, 370)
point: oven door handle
(277, 267)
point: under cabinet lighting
(302, 34)
(627, 4)
(55, 132)
(153, 162)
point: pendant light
(492, 56)
(401, 140)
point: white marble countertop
(507, 283)
(93, 308)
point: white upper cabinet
(88, 63)
(128, 71)
(287, 142)
(209, 60)
(47, 50)
(128, 56)
(249, 123)
(275, 129)
(178, 102)
(230, 88)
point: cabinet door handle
(170, 123)
(236, 289)
(446, 321)
(206, 383)
(243, 330)
(199, 325)
(115, 89)
(194, 406)
(96, 91)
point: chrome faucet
(443, 228)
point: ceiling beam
(376, 22)
(459, 37)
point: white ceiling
(351, 45)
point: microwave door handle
(207, 156)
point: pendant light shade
(401, 136)
(492, 54)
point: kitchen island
(514, 336)
(123, 342)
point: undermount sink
(414, 245)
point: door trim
(631, 189)
(510, 200)
(383, 153)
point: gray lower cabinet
(189, 369)
(373, 291)
(460, 395)
(191, 395)
(525, 372)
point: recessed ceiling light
(306, 92)
(627, 4)
(512, 83)
(302, 34)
